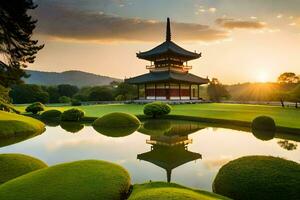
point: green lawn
(288, 117)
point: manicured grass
(14, 165)
(288, 117)
(259, 177)
(14, 127)
(89, 179)
(168, 191)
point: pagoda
(168, 77)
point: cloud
(240, 24)
(60, 22)
(212, 10)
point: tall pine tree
(17, 49)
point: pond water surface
(183, 152)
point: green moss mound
(264, 123)
(15, 128)
(71, 127)
(72, 115)
(51, 115)
(116, 124)
(157, 108)
(259, 177)
(35, 108)
(14, 165)
(89, 179)
(165, 191)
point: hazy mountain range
(78, 78)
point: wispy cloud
(61, 22)
(229, 23)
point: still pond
(188, 153)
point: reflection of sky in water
(216, 145)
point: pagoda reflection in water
(169, 140)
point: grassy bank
(14, 125)
(284, 117)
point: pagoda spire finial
(168, 33)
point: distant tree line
(65, 93)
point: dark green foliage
(216, 91)
(67, 90)
(259, 177)
(294, 95)
(127, 91)
(26, 93)
(100, 93)
(75, 102)
(264, 123)
(64, 99)
(35, 108)
(288, 77)
(53, 93)
(14, 165)
(88, 179)
(73, 115)
(51, 115)
(157, 108)
(15, 40)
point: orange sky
(236, 47)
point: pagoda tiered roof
(168, 49)
(155, 77)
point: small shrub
(259, 177)
(75, 102)
(64, 99)
(72, 115)
(35, 108)
(51, 115)
(263, 123)
(155, 109)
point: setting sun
(263, 76)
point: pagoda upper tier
(168, 51)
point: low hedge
(263, 123)
(89, 179)
(14, 165)
(259, 177)
(165, 191)
(72, 115)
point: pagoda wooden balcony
(184, 67)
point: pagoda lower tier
(168, 85)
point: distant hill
(78, 78)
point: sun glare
(262, 76)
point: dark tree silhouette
(288, 77)
(286, 144)
(16, 46)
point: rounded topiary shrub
(259, 177)
(51, 115)
(263, 123)
(163, 191)
(35, 107)
(72, 115)
(116, 124)
(263, 128)
(86, 179)
(15, 165)
(157, 108)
